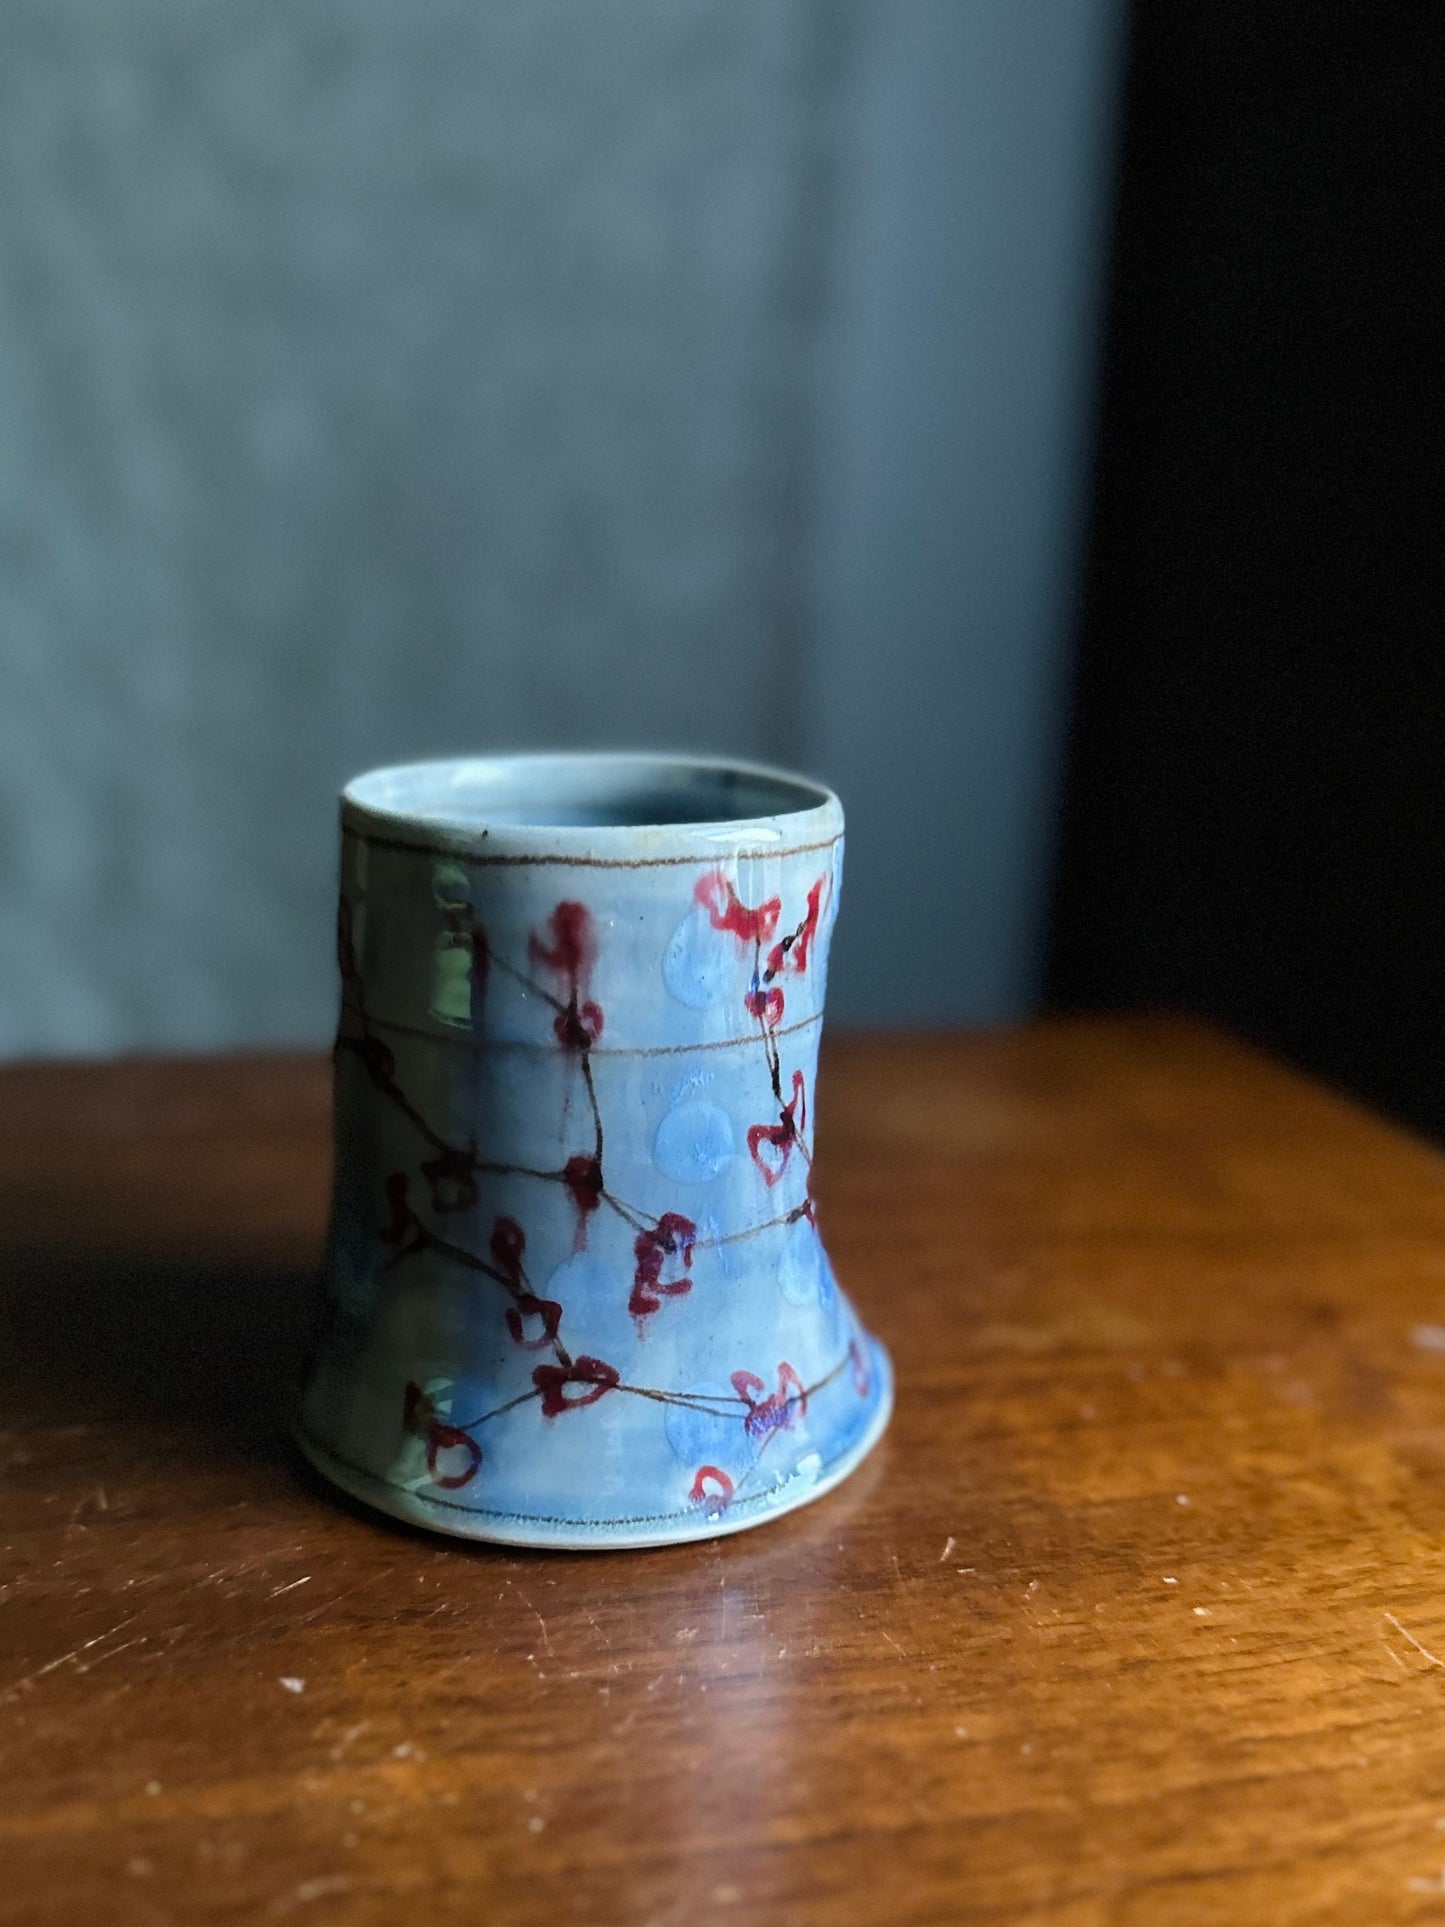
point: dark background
(1255, 797)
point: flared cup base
(619, 1533)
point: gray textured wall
(958, 352)
(378, 381)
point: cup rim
(483, 805)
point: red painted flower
(528, 1306)
(672, 1236)
(582, 1176)
(509, 1241)
(448, 1439)
(464, 1455)
(792, 952)
(552, 1381)
(452, 1178)
(570, 947)
(778, 1410)
(764, 1004)
(712, 1486)
(569, 951)
(779, 1138)
(578, 1026)
(727, 912)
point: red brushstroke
(573, 946)
(765, 1004)
(528, 1305)
(711, 1476)
(727, 912)
(442, 1438)
(582, 1176)
(578, 1026)
(673, 1235)
(509, 1241)
(570, 954)
(418, 1415)
(792, 952)
(779, 1137)
(552, 1382)
(777, 1411)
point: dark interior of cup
(569, 792)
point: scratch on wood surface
(949, 1543)
(591, 1618)
(110, 1653)
(307, 1890)
(305, 1580)
(883, 1634)
(29, 1679)
(1405, 1633)
(348, 1592)
(546, 1643)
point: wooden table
(1137, 1616)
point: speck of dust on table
(1136, 1617)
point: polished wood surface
(1137, 1615)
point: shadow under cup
(575, 1293)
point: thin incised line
(527, 983)
(628, 1213)
(724, 1405)
(453, 1041)
(592, 1100)
(768, 1224)
(479, 860)
(459, 1255)
(498, 1411)
(438, 1503)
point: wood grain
(1137, 1616)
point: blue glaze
(694, 1142)
(696, 971)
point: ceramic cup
(575, 1293)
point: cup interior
(581, 792)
